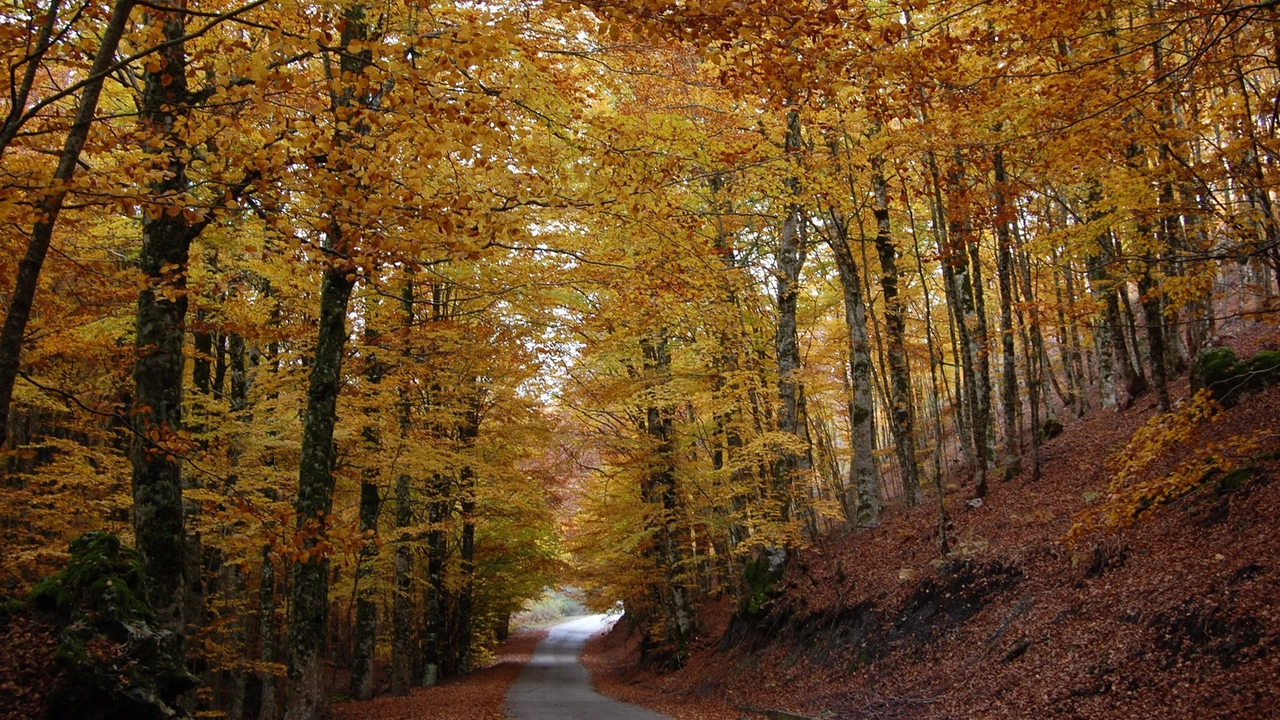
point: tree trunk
(467, 435)
(956, 255)
(1132, 382)
(238, 354)
(202, 344)
(1004, 271)
(402, 605)
(791, 406)
(1153, 314)
(366, 625)
(863, 493)
(901, 412)
(309, 594)
(23, 296)
(1033, 343)
(233, 588)
(434, 615)
(935, 384)
(659, 492)
(268, 709)
(160, 333)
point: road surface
(555, 686)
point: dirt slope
(1175, 617)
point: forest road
(555, 686)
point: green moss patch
(117, 664)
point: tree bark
(309, 594)
(791, 407)
(1004, 271)
(268, 709)
(402, 605)
(160, 333)
(901, 411)
(366, 625)
(659, 492)
(863, 497)
(434, 611)
(956, 255)
(22, 298)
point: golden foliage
(1133, 490)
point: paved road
(555, 686)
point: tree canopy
(403, 312)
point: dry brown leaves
(1173, 618)
(611, 658)
(27, 669)
(477, 696)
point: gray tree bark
(791, 407)
(660, 493)
(159, 336)
(863, 496)
(901, 411)
(1009, 386)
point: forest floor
(477, 696)
(1174, 617)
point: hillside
(1172, 617)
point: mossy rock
(761, 576)
(102, 582)
(1230, 379)
(1051, 429)
(9, 607)
(1212, 366)
(117, 664)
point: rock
(116, 663)
(1229, 379)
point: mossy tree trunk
(863, 498)
(901, 411)
(660, 493)
(160, 332)
(309, 594)
(791, 406)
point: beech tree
(642, 294)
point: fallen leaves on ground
(1174, 617)
(477, 696)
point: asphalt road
(555, 686)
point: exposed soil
(1175, 617)
(479, 695)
